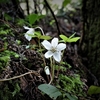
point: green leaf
(32, 18)
(45, 37)
(70, 39)
(35, 34)
(5, 58)
(75, 39)
(17, 89)
(66, 2)
(41, 16)
(38, 34)
(18, 42)
(93, 90)
(50, 90)
(65, 38)
(17, 56)
(52, 21)
(32, 35)
(71, 97)
(72, 35)
(2, 32)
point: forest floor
(21, 70)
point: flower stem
(41, 53)
(40, 29)
(52, 70)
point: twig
(53, 16)
(27, 6)
(15, 77)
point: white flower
(54, 49)
(29, 33)
(47, 71)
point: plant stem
(52, 70)
(41, 53)
(40, 29)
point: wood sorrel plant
(54, 52)
(54, 49)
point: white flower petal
(30, 31)
(46, 44)
(28, 37)
(48, 54)
(61, 46)
(57, 56)
(54, 42)
(25, 27)
(47, 71)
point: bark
(91, 35)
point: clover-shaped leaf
(70, 39)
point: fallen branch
(15, 77)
